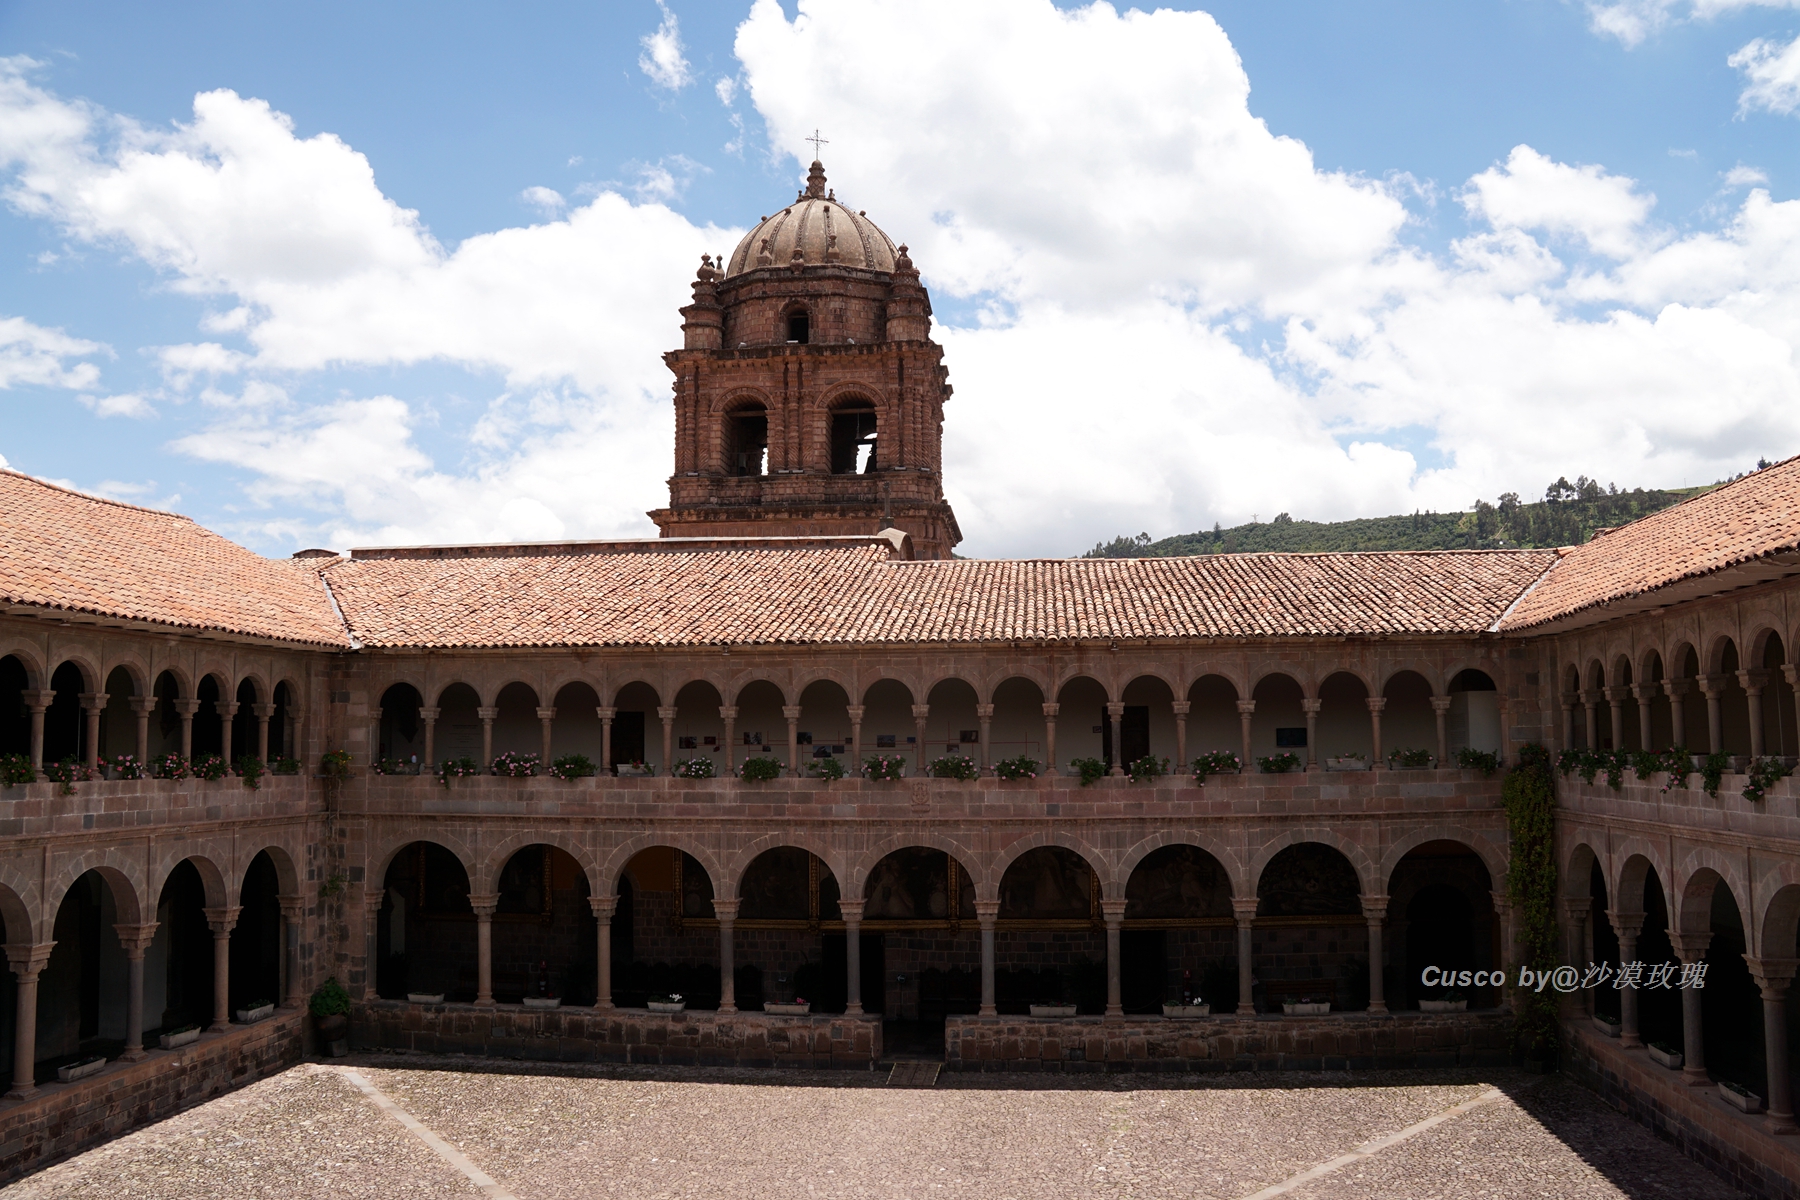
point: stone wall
(1335, 1042)
(66, 1118)
(619, 1035)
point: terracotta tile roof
(1748, 519)
(65, 550)
(859, 596)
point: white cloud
(32, 354)
(1771, 76)
(666, 179)
(548, 201)
(181, 363)
(1631, 22)
(726, 90)
(662, 58)
(1742, 176)
(129, 404)
(1531, 191)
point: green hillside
(1568, 515)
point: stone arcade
(803, 605)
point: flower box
(425, 997)
(181, 1037)
(628, 771)
(82, 1069)
(1187, 1010)
(543, 1002)
(1343, 763)
(788, 1010)
(1443, 1006)
(1607, 1025)
(250, 1016)
(1668, 1057)
(1306, 1008)
(1742, 1099)
(667, 1006)
(1053, 1010)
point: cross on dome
(817, 141)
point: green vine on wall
(1530, 797)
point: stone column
(1114, 913)
(1374, 911)
(262, 712)
(372, 899)
(293, 914)
(1615, 704)
(1245, 710)
(37, 702)
(143, 706)
(134, 940)
(1311, 706)
(1677, 690)
(429, 715)
(984, 716)
(853, 911)
(1644, 693)
(221, 921)
(606, 715)
(1590, 701)
(1576, 912)
(728, 714)
(726, 911)
(185, 709)
(987, 912)
(603, 908)
(484, 907)
(1568, 723)
(792, 713)
(1440, 708)
(855, 712)
(1753, 683)
(1627, 926)
(547, 719)
(1691, 948)
(92, 705)
(1245, 911)
(374, 734)
(1115, 713)
(28, 962)
(667, 713)
(1050, 714)
(1713, 688)
(487, 713)
(1181, 709)
(920, 712)
(1376, 704)
(1773, 975)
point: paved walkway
(389, 1128)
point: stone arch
(36, 675)
(219, 891)
(437, 699)
(135, 670)
(612, 864)
(1703, 870)
(1637, 860)
(1621, 674)
(993, 681)
(485, 879)
(287, 873)
(736, 686)
(742, 856)
(635, 681)
(125, 881)
(16, 925)
(1139, 851)
(1359, 857)
(1423, 670)
(1069, 675)
(1493, 857)
(1229, 673)
(1576, 868)
(1779, 927)
(1361, 676)
(739, 397)
(440, 836)
(1014, 851)
(1716, 647)
(91, 677)
(986, 881)
(1650, 667)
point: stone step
(914, 1074)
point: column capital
(373, 899)
(984, 711)
(549, 713)
(1615, 693)
(186, 708)
(488, 712)
(1625, 924)
(1244, 910)
(606, 712)
(292, 907)
(143, 705)
(1500, 899)
(790, 711)
(262, 712)
(430, 712)
(94, 701)
(1791, 673)
(1375, 703)
(221, 920)
(1374, 907)
(1578, 907)
(1712, 686)
(1772, 975)
(26, 958)
(1181, 708)
(38, 701)
(1246, 707)
(1311, 705)
(987, 912)
(1690, 948)
(1113, 911)
(484, 904)
(603, 907)
(920, 712)
(1592, 695)
(1753, 680)
(135, 939)
(1052, 710)
(852, 910)
(229, 709)
(726, 910)
(1441, 703)
(854, 711)
(1644, 691)
(1677, 687)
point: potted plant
(573, 766)
(1016, 770)
(828, 769)
(255, 1011)
(16, 769)
(1665, 1054)
(285, 766)
(760, 768)
(798, 1007)
(671, 1003)
(1219, 762)
(125, 766)
(953, 766)
(1347, 762)
(1053, 1010)
(698, 767)
(1448, 1002)
(633, 770)
(513, 765)
(884, 767)
(250, 769)
(1091, 770)
(1147, 768)
(1411, 760)
(1606, 1024)
(1740, 1098)
(1278, 764)
(457, 768)
(180, 1036)
(211, 767)
(424, 997)
(1485, 761)
(1305, 1006)
(330, 1006)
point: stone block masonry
(66, 1118)
(1341, 1041)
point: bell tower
(809, 396)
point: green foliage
(1278, 764)
(16, 769)
(330, 1000)
(1411, 760)
(1485, 761)
(457, 768)
(1015, 769)
(580, 766)
(1147, 768)
(826, 768)
(760, 769)
(285, 766)
(698, 767)
(1219, 762)
(334, 765)
(211, 766)
(171, 766)
(251, 770)
(887, 767)
(1712, 771)
(1569, 515)
(954, 766)
(1091, 770)
(65, 773)
(1530, 798)
(1762, 774)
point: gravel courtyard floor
(404, 1127)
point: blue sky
(1331, 259)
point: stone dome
(817, 228)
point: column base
(988, 1010)
(603, 1006)
(1781, 1125)
(853, 1010)
(728, 1008)
(1631, 1041)
(131, 1056)
(1378, 1006)
(219, 1027)
(488, 1003)
(1696, 1077)
(22, 1093)
(1115, 1010)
